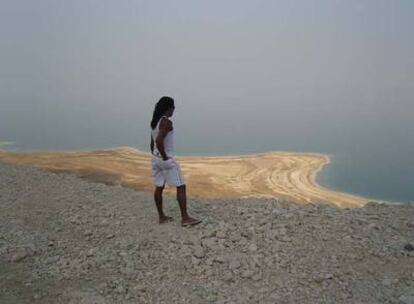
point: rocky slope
(67, 240)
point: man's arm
(165, 127)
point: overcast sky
(240, 66)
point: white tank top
(168, 141)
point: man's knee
(159, 189)
(182, 187)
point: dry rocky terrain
(67, 240)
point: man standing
(165, 168)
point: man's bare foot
(190, 221)
(165, 219)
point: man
(165, 168)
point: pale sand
(275, 174)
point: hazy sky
(259, 68)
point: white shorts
(166, 172)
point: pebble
(234, 264)
(140, 288)
(406, 299)
(21, 253)
(247, 273)
(221, 234)
(199, 252)
(253, 247)
(409, 247)
(220, 259)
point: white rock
(21, 253)
(247, 273)
(91, 252)
(253, 247)
(198, 252)
(220, 259)
(234, 264)
(221, 234)
(140, 288)
(228, 277)
(406, 299)
(235, 237)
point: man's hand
(168, 164)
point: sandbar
(287, 175)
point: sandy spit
(285, 175)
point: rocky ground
(67, 240)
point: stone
(387, 282)
(221, 234)
(198, 252)
(373, 226)
(186, 251)
(90, 252)
(209, 233)
(22, 252)
(408, 247)
(120, 289)
(263, 221)
(228, 277)
(220, 259)
(282, 231)
(235, 237)
(234, 264)
(253, 247)
(140, 288)
(406, 299)
(192, 240)
(247, 273)
(372, 204)
(210, 243)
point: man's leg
(158, 202)
(182, 201)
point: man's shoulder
(165, 119)
(165, 122)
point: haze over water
(335, 77)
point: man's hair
(163, 105)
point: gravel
(66, 240)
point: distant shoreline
(289, 175)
